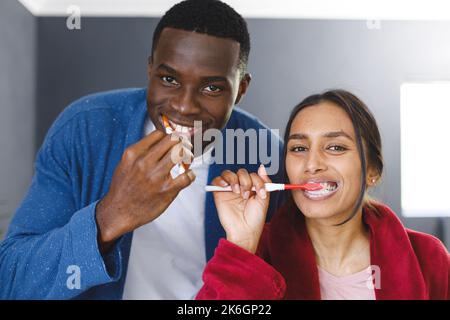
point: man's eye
(169, 80)
(337, 148)
(212, 88)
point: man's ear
(243, 86)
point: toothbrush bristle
(306, 186)
(165, 122)
(312, 186)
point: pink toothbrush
(273, 187)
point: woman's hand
(242, 212)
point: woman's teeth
(327, 188)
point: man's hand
(242, 213)
(141, 188)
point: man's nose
(315, 163)
(185, 102)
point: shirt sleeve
(51, 250)
(236, 274)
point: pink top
(357, 286)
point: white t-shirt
(167, 255)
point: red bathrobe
(412, 265)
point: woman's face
(322, 148)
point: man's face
(194, 77)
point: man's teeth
(327, 188)
(180, 129)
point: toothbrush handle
(268, 186)
(216, 188)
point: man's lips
(179, 127)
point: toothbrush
(166, 124)
(184, 166)
(273, 187)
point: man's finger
(148, 141)
(158, 150)
(182, 181)
(177, 154)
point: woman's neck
(340, 250)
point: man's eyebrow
(168, 69)
(214, 79)
(206, 79)
(331, 134)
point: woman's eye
(297, 149)
(169, 80)
(212, 88)
(337, 148)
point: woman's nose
(184, 102)
(314, 163)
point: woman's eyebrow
(335, 134)
(297, 136)
(331, 134)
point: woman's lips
(329, 188)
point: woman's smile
(329, 188)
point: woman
(335, 243)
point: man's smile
(183, 128)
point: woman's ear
(372, 177)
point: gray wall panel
(17, 105)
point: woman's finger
(245, 182)
(232, 179)
(219, 181)
(259, 185)
(263, 174)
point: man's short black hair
(211, 17)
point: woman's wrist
(247, 243)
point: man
(108, 215)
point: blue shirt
(53, 235)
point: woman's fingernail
(246, 195)
(262, 170)
(236, 189)
(262, 193)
